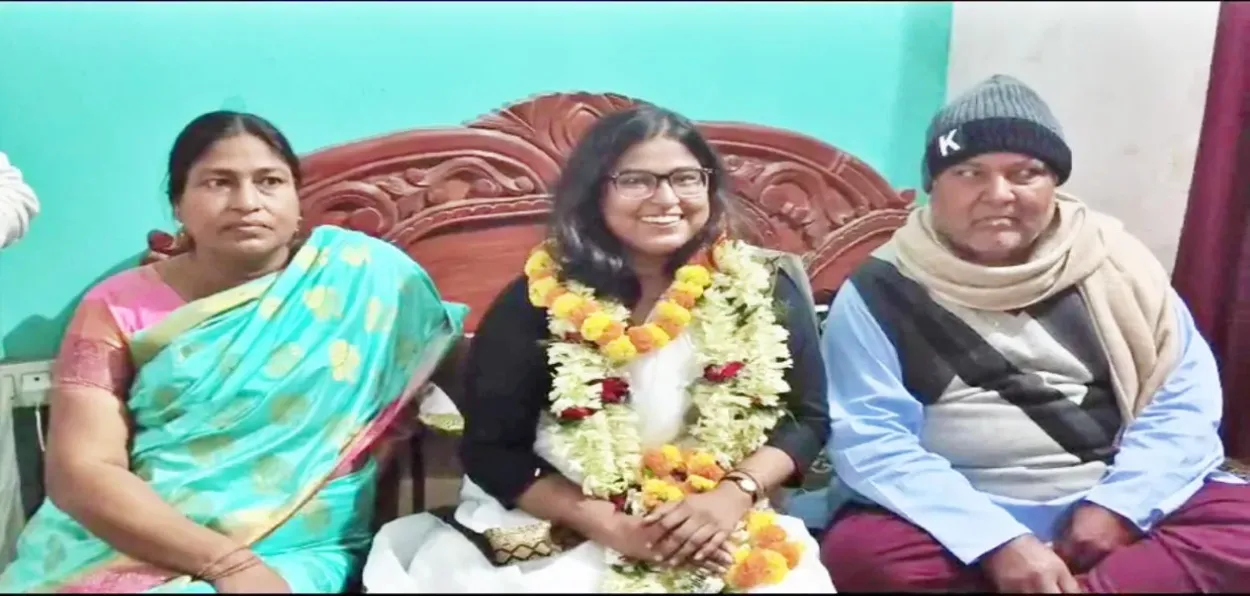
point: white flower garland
(734, 321)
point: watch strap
(741, 480)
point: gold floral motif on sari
(204, 449)
(316, 516)
(355, 256)
(232, 413)
(270, 473)
(344, 361)
(287, 409)
(269, 307)
(310, 257)
(283, 360)
(324, 302)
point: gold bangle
(207, 569)
(213, 571)
(245, 564)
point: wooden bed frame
(470, 202)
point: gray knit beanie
(1000, 114)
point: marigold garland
(617, 341)
(723, 298)
(669, 474)
(765, 554)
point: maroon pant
(1202, 547)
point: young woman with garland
(633, 396)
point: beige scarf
(1124, 286)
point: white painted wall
(1128, 83)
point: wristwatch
(745, 483)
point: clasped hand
(694, 530)
(697, 528)
(1025, 565)
(1092, 533)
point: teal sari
(251, 411)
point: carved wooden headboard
(470, 202)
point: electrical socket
(25, 384)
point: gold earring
(182, 240)
(299, 237)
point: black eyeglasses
(685, 182)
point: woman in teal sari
(217, 418)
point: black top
(508, 382)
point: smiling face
(992, 208)
(656, 199)
(240, 200)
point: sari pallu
(250, 409)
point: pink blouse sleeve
(94, 352)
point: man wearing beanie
(1020, 401)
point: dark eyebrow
(654, 173)
(230, 173)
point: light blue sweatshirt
(1166, 454)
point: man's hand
(1025, 565)
(1092, 533)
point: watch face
(747, 484)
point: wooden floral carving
(469, 202)
(553, 123)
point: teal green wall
(92, 94)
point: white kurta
(421, 554)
